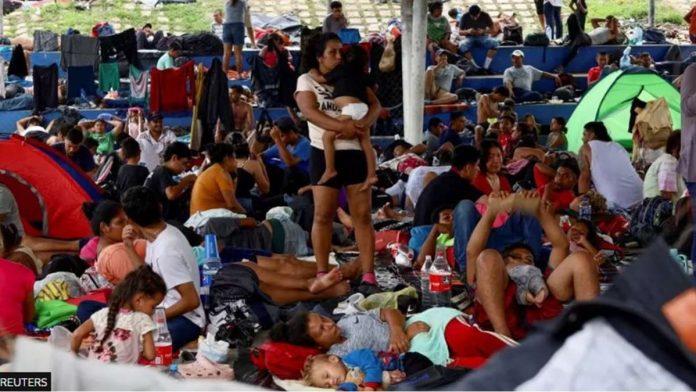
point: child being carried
(350, 94)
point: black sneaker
(367, 289)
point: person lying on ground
(449, 340)
(570, 276)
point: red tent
(49, 188)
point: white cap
(518, 53)
(33, 128)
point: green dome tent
(610, 101)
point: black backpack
(652, 35)
(537, 39)
(512, 35)
(647, 219)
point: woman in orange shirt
(215, 188)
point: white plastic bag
(60, 338)
(215, 351)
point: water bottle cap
(211, 248)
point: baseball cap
(154, 116)
(285, 124)
(518, 53)
(440, 52)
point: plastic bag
(60, 338)
(214, 350)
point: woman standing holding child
(316, 100)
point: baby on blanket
(364, 370)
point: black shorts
(351, 166)
(539, 6)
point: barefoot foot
(319, 284)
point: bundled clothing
(168, 89)
(113, 45)
(214, 103)
(79, 50)
(45, 87)
(18, 63)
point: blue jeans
(554, 24)
(477, 42)
(518, 228)
(691, 186)
(182, 329)
(522, 95)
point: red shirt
(16, 283)
(594, 73)
(560, 200)
(481, 183)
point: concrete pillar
(651, 13)
(406, 45)
(414, 13)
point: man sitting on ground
(170, 256)
(608, 165)
(560, 193)
(450, 187)
(174, 194)
(72, 147)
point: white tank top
(614, 176)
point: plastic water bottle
(173, 371)
(440, 280)
(585, 208)
(210, 268)
(637, 36)
(426, 300)
(163, 340)
(626, 58)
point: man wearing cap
(519, 78)
(96, 130)
(475, 26)
(290, 153)
(439, 78)
(154, 141)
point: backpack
(652, 35)
(102, 29)
(647, 219)
(654, 123)
(512, 35)
(537, 39)
(283, 360)
(434, 377)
